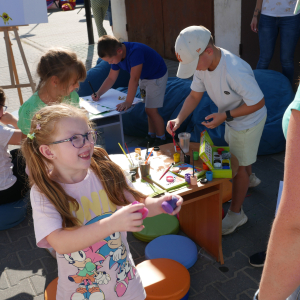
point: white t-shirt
(7, 179)
(229, 86)
(278, 8)
(82, 271)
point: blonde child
(80, 201)
(60, 72)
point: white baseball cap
(190, 43)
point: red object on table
(205, 167)
(220, 150)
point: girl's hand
(128, 219)
(175, 124)
(95, 96)
(168, 197)
(253, 25)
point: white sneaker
(232, 221)
(253, 180)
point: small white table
(112, 126)
(110, 122)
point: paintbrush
(181, 150)
(129, 153)
(166, 171)
(149, 156)
(147, 151)
(92, 89)
(173, 136)
(125, 154)
(193, 165)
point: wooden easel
(14, 78)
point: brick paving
(26, 270)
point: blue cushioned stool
(176, 247)
(11, 214)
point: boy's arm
(135, 74)
(190, 103)
(107, 84)
(243, 110)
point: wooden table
(200, 217)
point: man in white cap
(230, 83)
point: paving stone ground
(25, 269)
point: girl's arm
(70, 240)
(154, 204)
(280, 276)
(256, 13)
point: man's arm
(280, 276)
(135, 74)
(190, 103)
(107, 84)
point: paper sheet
(107, 102)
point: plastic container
(184, 141)
(145, 169)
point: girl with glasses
(81, 207)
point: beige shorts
(153, 91)
(244, 144)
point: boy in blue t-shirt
(148, 70)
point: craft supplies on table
(165, 183)
(212, 156)
(181, 169)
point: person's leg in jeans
(289, 34)
(267, 34)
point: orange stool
(50, 292)
(164, 279)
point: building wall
(228, 24)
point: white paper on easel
(107, 102)
(22, 12)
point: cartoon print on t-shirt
(88, 276)
(112, 248)
(127, 272)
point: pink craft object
(144, 211)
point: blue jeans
(268, 30)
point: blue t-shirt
(154, 66)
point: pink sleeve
(46, 218)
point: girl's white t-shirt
(278, 8)
(7, 179)
(104, 270)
